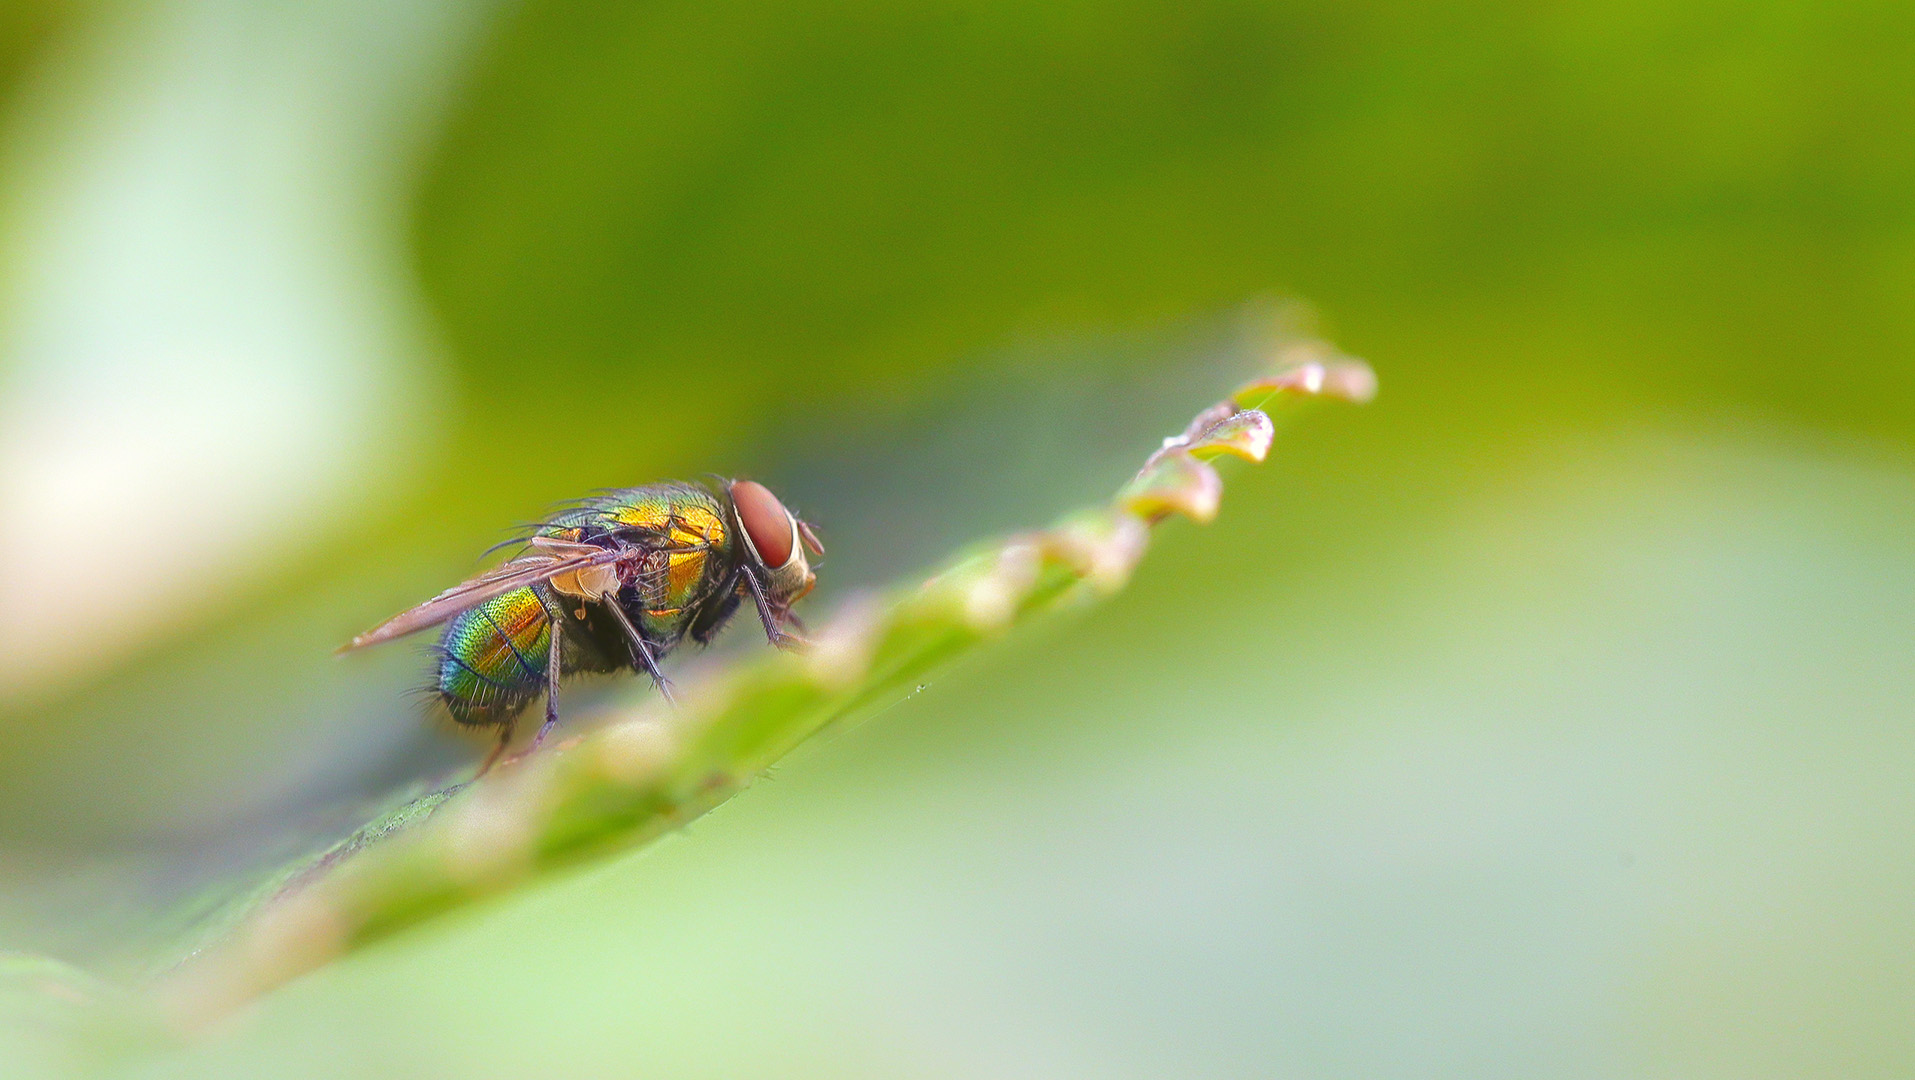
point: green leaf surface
(657, 767)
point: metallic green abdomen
(492, 658)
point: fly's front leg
(642, 655)
(774, 632)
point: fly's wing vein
(556, 557)
(516, 574)
(557, 548)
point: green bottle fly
(618, 580)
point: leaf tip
(1245, 435)
(1310, 369)
(1174, 483)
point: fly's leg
(642, 656)
(775, 633)
(505, 738)
(551, 690)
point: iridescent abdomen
(492, 658)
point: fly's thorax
(688, 545)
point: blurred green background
(1547, 717)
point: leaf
(1305, 370)
(1174, 482)
(622, 785)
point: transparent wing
(553, 558)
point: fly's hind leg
(551, 713)
(642, 655)
(491, 759)
(774, 631)
(551, 690)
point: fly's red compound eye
(765, 521)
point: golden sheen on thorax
(611, 582)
